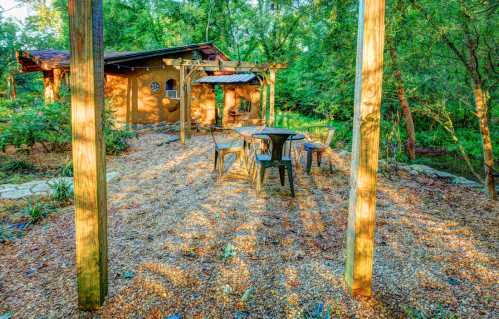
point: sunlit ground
(181, 242)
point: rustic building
(141, 89)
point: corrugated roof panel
(226, 79)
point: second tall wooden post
(365, 147)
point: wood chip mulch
(183, 243)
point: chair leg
(309, 161)
(261, 177)
(216, 160)
(281, 174)
(319, 158)
(221, 164)
(291, 182)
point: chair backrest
(330, 135)
(320, 134)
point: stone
(15, 194)
(8, 186)
(40, 187)
(111, 175)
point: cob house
(151, 87)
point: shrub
(34, 122)
(62, 191)
(117, 140)
(37, 123)
(17, 166)
(5, 233)
(67, 169)
(35, 212)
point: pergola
(87, 100)
(188, 67)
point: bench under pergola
(87, 101)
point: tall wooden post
(365, 147)
(182, 104)
(272, 97)
(264, 101)
(87, 102)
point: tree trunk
(488, 155)
(481, 104)
(406, 111)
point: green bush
(62, 191)
(17, 166)
(117, 140)
(67, 169)
(35, 212)
(34, 122)
(37, 123)
(5, 233)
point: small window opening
(171, 89)
(244, 106)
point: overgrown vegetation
(29, 121)
(62, 191)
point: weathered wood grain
(87, 102)
(365, 147)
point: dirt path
(182, 243)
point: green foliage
(18, 166)
(117, 140)
(37, 123)
(5, 234)
(35, 212)
(50, 125)
(228, 252)
(62, 191)
(318, 41)
(67, 169)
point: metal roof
(227, 79)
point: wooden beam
(271, 97)
(87, 102)
(365, 147)
(233, 66)
(182, 104)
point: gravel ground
(182, 242)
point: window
(171, 89)
(244, 105)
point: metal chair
(224, 149)
(318, 147)
(275, 158)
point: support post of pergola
(188, 102)
(271, 97)
(365, 147)
(87, 102)
(182, 104)
(264, 101)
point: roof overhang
(46, 60)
